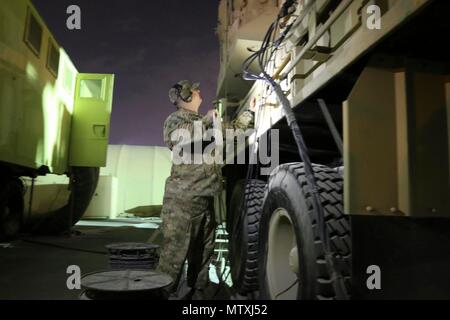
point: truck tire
(244, 238)
(11, 208)
(291, 261)
(85, 180)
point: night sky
(149, 46)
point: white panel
(141, 173)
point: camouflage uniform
(188, 215)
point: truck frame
(368, 73)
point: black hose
(334, 272)
(336, 276)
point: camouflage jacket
(196, 179)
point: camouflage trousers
(188, 228)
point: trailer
(357, 95)
(53, 120)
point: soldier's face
(196, 99)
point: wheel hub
(293, 260)
(282, 267)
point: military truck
(53, 120)
(362, 191)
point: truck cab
(54, 121)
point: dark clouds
(149, 45)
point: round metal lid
(125, 280)
(131, 246)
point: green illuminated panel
(91, 88)
(91, 120)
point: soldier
(188, 217)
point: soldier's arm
(176, 123)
